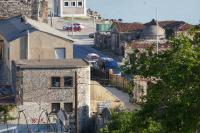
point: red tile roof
(172, 24)
(175, 25)
(127, 27)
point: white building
(68, 8)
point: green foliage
(120, 123)
(4, 111)
(173, 103)
(129, 122)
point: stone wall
(29, 8)
(34, 86)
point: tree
(173, 103)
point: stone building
(52, 86)
(151, 31)
(119, 34)
(125, 36)
(35, 9)
(68, 8)
(38, 66)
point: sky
(145, 10)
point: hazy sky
(145, 10)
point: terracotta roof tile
(127, 27)
(172, 24)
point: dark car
(91, 35)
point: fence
(121, 83)
(137, 88)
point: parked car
(69, 27)
(93, 56)
(91, 35)
(92, 59)
(82, 26)
(105, 64)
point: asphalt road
(83, 46)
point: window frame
(72, 85)
(64, 52)
(52, 107)
(71, 107)
(52, 82)
(72, 5)
(68, 3)
(78, 3)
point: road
(83, 46)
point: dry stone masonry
(29, 8)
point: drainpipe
(28, 50)
(61, 8)
(85, 8)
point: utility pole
(51, 18)
(157, 31)
(94, 27)
(76, 104)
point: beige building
(32, 40)
(68, 8)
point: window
(55, 81)
(73, 4)
(68, 81)
(60, 53)
(66, 4)
(68, 107)
(55, 107)
(80, 4)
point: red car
(76, 27)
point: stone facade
(36, 94)
(30, 8)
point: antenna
(157, 30)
